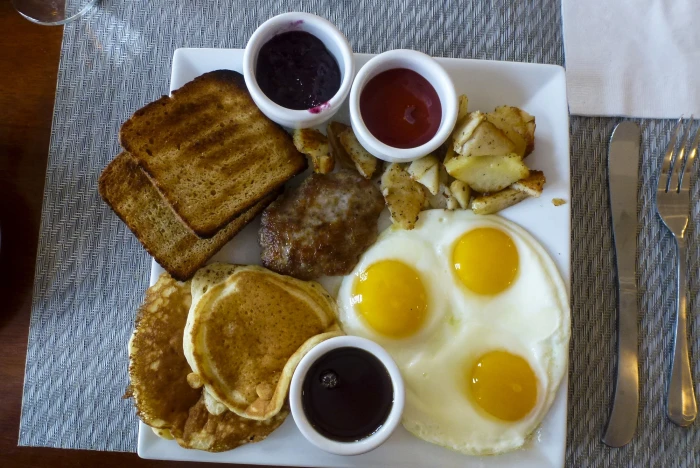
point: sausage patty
(321, 227)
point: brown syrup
(347, 394)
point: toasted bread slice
(210, 150)
(128, 191)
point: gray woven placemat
(91, 272)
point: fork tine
(678, 165)
(685, 176)
(664, 176)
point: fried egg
(476, 316)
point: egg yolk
(485, 260)
(390, 296)
(504, 385)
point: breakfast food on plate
(315, 145)
(333, 132)
(447, 293)
(461, 192)
(533, 184)
(487, 173)
(210, 151)
(489, 203)
(518, 126)
(483, 158)
(404, 196)
(479, 137)
(129, 192)
(321, 227)
(246, 334)
(159, 386)
(365, 163)
(426, 171)
(488, 151)
(452, 303)
(462, 107)
(219, 433)
(157, 367)
(238, 328)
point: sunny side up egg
(476, 316)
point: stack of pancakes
(244, 330)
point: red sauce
(401, 108)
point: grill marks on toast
(210, 150)
(126, 188)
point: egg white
(396, 244)
(529, 319)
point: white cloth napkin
(635, 58)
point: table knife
(623, 163)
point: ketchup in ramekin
(401, 108)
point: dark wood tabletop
(29, 56)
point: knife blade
(623, 163)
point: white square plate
(541, 91)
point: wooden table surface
(29, 56)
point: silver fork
(673, 205)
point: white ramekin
(335, 42)
(431, 70)
(368, 443)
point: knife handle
(681, 405)
(623, 417)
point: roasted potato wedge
(461, 192)
(495, 202)
(486, 140)
(462, 114)
(487, 173)
(464, 129)
(462, 109)
(404, 196)
(315, 145)
(323, 164)
(333, 131)
(451, 202)
(438, 200)
(311, 142)
(365, 163)
(533, 184)
(426, 171)
(449, 154)
(517, 125)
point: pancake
(161, 384)
(210, 275)
(245, 335)
(218, 433)
(157, 366)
